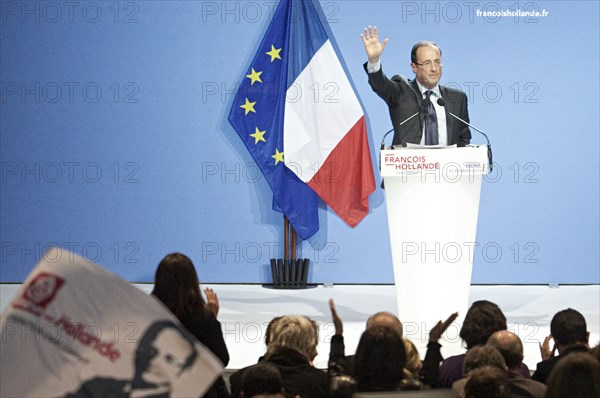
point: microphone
(441, 102)
(424, 105)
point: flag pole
(293, 243)
(286, 238)
(289, 272)
(289, 247)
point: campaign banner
(76, 330)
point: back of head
(176, 284)
(482, 319)
(577, 375)
(379, 360)
(510, 346)
(481, 356)
(269, 331)
(487, 382)
(261, 379)
(568, 327)
(388, 319)
(296, 332)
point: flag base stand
(289, 272)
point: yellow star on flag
(248, 106)
(274, 53)
(258, 135)
(254, 76)
(278, 156)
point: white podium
(432, 197)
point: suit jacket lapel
(419, 97)
(449, 119)
(418, 94)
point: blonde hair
(297, 332)
(413, 361)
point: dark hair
(568, 327)
(482, 319)
(481, 356)
(487, 382)
(379, 360)
(413, 52)
(262, 378)
(145, 352)
(176, 285)
(576, 375)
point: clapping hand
(212, 301)
(337, 321)
(436, 332)
(545, 348)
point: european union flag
(257, 115)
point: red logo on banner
(42, 289)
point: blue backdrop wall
(115, 144)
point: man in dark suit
(434, 125)
(511, 348)
(569, 331)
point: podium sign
(432, 197)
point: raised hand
(337, 321)
(436, 332)
(212, 301)
(373, 46)
(545, 349)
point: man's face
(172, 352)
(428, 68)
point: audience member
(478, 357)
(412, 368)
(176, 285)
(385, 318)
(342, 363)
(292, 348)
(569, 331)
(486, 382)
(596, 352)
(575, 376)
(342, 386)
(262, 380)
(482, 319)
(511, 348)
(430, 374)
(413, 361)
(379, 361)
(269, 332)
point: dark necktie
(431, 124)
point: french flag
(324, 131)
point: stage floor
(247, 309)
